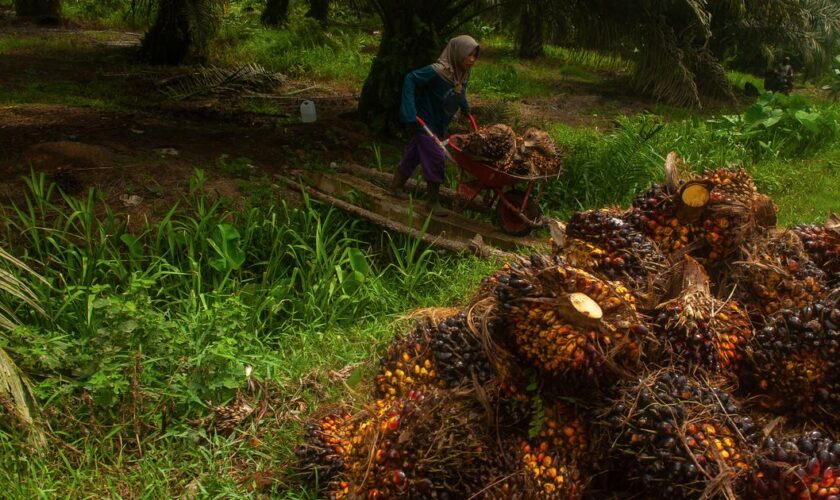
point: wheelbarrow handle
(472, 120)
(431, 134)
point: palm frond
(17, 403)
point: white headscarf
(448, 65)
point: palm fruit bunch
(732, 184)
(793, 363)
(729, 216)
(494, 144)
(445, 355)
(776, 273)
(614, 248)
(228, 417)
(655, 214)
(536, 155)
(326, 444)
(418, 446)
(674, 437)
(552, 458)
(823, 246)
(803, 467)
(565, 321)
(701, 329)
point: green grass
(90, 96)
(193, 299)
(302, 50)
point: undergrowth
(144, 330)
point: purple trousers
(423, 150)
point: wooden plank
(474, 245)
(408, 212)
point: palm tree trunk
(529, 36)
(168, 40)
(319, 10)
(276, 13)
(39, 9)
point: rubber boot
(397, 185)
(433, 200)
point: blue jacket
(429, 96)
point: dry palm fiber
(699, 329)
(793, 363)
(776, 273)
(602, 242)
(793, 467)
(565, 321)
(430, 445)
(671, 436)
(823, 246)
(446, 354)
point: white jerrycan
(307, 111)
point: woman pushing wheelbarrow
(434, 93)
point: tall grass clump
(601, 170)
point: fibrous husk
(670, 436)
(793, 363)
(700, 330)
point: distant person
(434, 93)
(785, 70)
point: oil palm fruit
(603, 242)
(553, 456)
(565, 321)
(798, 467)
(823, 246)
(494, 144)
(776, 273)
(729, 218)
(655, 213)
(418, 446)
(793, 363)
(701, 330)
(326, 444)
(669, 436)
(448, 354)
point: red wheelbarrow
(513, 196)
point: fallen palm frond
(213, 80)
(17, 403)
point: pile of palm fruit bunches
(682, 348)
(533, 154)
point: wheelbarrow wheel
(509, 220)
